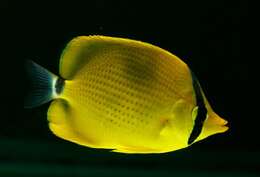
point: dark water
(207, 35)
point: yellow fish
(124, 95)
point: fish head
(213, 124)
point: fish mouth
(225, 126)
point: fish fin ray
(41, 85)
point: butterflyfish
(123, 95)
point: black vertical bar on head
(202, 111)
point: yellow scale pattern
(127, 90)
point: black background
(207, 35)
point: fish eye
(194, 113)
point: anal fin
(61, 119)
(135, 150)
(58, 114)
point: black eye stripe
(202, 111)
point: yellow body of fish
(128, 96)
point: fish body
(126, 95)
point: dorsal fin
(83, 48)
(76, 54)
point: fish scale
(123, 97)
(127, 78)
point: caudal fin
(42, 85)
